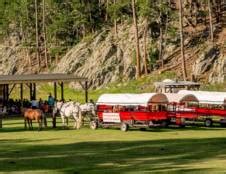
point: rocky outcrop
(205, 62)
(13, 59)
(104, 58)
(8, 60)
(218, 75)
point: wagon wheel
(93, 125)
(124, 127)
(223, 124)
(208, 122)
(164, 123)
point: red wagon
(131, 110)
(180, 108)
(212, 106)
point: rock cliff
(106, 57)
(103, 58)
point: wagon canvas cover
(206, 97)
(131, 99)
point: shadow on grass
(175, 155)
(20, 128)
(17, 125)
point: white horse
(67, 110)
(88, 108)
(88, 111)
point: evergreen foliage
(68, 22)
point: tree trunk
(160, 48)
(138, 71)
(115, 22)
(107, 6)
(145, 47)
(210, 21)
(161, 38)
(37, 35)
(44, 33)
(184, 72)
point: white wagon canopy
(207, 97)
(132, 99)
(181, 98)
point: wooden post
(30, 87)
(86, 92)
(7, 93)
(4, 95)
(54, 114)
(62, 90)
(34, 91)
(1, 115)
(55, 90)
(21, 95)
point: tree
(138, 71)
(148, 13)
(115, 22)
(44, 32)
(37, 35)
(210, 21)
(183, 63)
(161, 34)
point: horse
(88, 111)
(67, 110)
(33, 114)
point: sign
(111, 117)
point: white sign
(111, 117)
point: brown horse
(33, 114)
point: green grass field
(171, 150)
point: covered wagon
(131, 110)
(211, 104)
(181, 107)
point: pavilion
(8, 83)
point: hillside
(106, 56)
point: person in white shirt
(34, 104)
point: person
(45, 107)
(91, 101)
(51, 102)
(40, 102)
(34, 103)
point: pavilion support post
(54, 114)
(21, 94)
(4, 95)
(55, 91)
(7, 93)
(85, 87)
(34, 91)
(31, 91)
(1, 115)
(62, 90)
(86, 92)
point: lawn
(171, 150)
